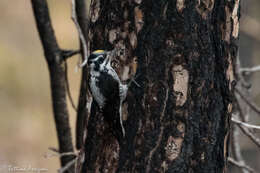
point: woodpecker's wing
(123, 92)
(96, 93)
(109, 87)
(112, 107)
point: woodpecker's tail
(113, 116)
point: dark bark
(178, 121)
(54, 58)
(82, 112)
(69, 53)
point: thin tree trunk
(54, 58)
(82, 112)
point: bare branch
(241, 165)
(248, 131)
(82, 113)
(236, 147)
(250, 70)
(69, 53)
(56, 153)
(250, 135)
(77, 155)
(68, 165)
(250, 103)
(245, 124)
(54, 60)
(239, 75)
(54, 149)
(68, 87)
(81, 36)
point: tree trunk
(55, 60)
(82, 112)
(183, 54)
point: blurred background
(27, 126)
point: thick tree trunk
(183, 53)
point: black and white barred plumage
(107, 90)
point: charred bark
(183, 53)
(55, 61)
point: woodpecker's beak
(108, 60)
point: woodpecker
(107, 90)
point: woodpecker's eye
(90, 62)
(100, 60)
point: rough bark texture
(56, 67)
(183, 53)
(82, 112)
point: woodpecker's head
(98, 60)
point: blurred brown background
(26, 123)
(27, 126)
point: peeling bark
(180, 5)
(180, 84)
(183, 53)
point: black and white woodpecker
(107, 90)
